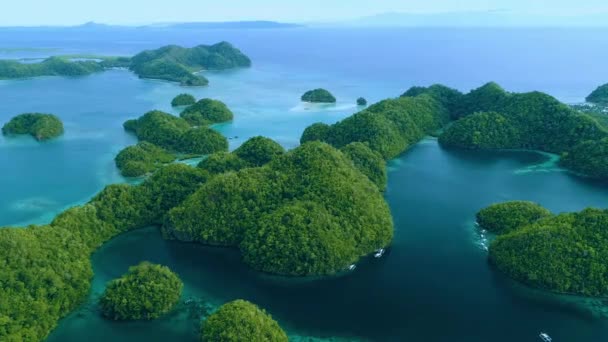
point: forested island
(183, 100)
(146, 292)
(314, 210)
(207, 112)
(40, 126)
(318, 96)
(164, 137)
(239, 321)
(491, 118)
(170, 63)
(565, 253)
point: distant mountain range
(494, 18)
(190, 25)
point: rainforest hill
(599, 95)
(40, 126)
(388, 127)
(163, 138)
(146, 292)
(207, 112)
(239, 321)
(505, 217)
(141, 159)
(491, 118)
(179, 64)
(46, 270)
(183, 100)
(170, 63)
(340, 214)
(565, 253)
(318, 96)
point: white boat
(545, 337)
(379, 253)
(352, 267)
(476, 224)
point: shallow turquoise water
(433, 285)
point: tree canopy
(589, 158)
(505, 217)
(40, 126)
(146, 292)
(183, 100)
(388, 127)
(599, 95)
(566, 253)
(175, 134)
(232, 209)
(206, 112)
(318, 96)
(239, 321)
(258, 151)
(179, 64)
(141, 159)
(492, 118)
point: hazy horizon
(139, 12)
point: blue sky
(69, 12)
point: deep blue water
(434, 285)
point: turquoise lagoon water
(434, 284)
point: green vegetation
(206, 112)
(241, 321)
(146, 292)
(566, 253)
(178, 64)
(599, 95)
(450, 98)
(506, 217)
(361, 101)
(40, 126)
(141, 159)
(259, 151)
(183, 100)
(351, 219)
(318, 96)
(255, 152)
(171, 63)
(175, 134)
(53, 66)
(589, 158)
(482, 131)
(388, 127)
(491, 118)
(46, 271)
(222, 162)
(370, 163)
(159, 128)
(202, 140)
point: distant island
(229, 25)
(183, 100)
(170, 63)
(318, 96)
(361, 101)
(179, 64)
(40, 126)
